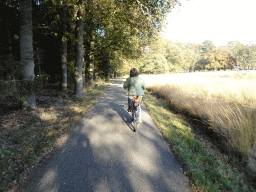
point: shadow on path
(127, 118)
(101, 154)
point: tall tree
(92, 62)
(79, 50)
(243, 54)
(219, 59)
(26, 48)
(236, 48)
(207, 47)
(252, 56)
(64, 46)
(128, 26)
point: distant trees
(155, 60)
(207, 47)
(245, 54)
(251, 58)
(218, 59)
(156, 64)
(165, 56)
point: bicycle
(134, 110)
(135, 115)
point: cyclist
(135, 86)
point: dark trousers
(129, 102)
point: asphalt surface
(104, 154)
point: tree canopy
(115, 36)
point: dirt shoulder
(29, 137)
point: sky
(217, 20)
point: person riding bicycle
(135, 86)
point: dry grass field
(226, 100)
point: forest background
(72, 42)
(75, 42)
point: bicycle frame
(135, 115)
(134, 108)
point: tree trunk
(108, 77)
(38, 62)
(9, 38)
(64, 48)
(87, 62)
(79, 53)
(92, 58)
(26, 48)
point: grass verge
(25, 145)
(207, 168)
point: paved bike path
(104, 154)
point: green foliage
(180, 56)
(27, 87)
(71, 74)
(207, 47)
(39, 82)
(156, 64)
(218, 59)
(47, 17)
(10, 66)
(22, 88)
(123, 28)
(4, 152)
(190, 56)
(245, 54)
(163, 56)
(122, 65)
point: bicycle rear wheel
(135, 120)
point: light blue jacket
(135, 86)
